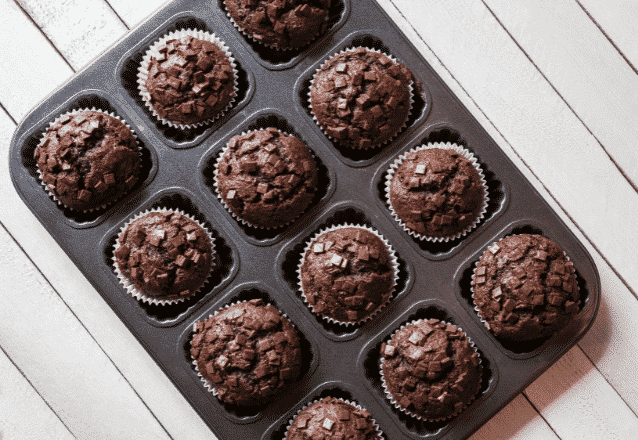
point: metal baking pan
(434, 279)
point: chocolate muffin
(246, 352)
(333, 419)
(525, 288)
(361, 98)
(437, 193)
(347, 274)
(88, 159)
(266, 178)
(163, 256)
(430, 370)
(188, 80)
(280, 23)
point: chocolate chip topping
(431, 369)
(88, 159)
(190, 81)
(332, 419)
(280, 23)
(267, 178)
(347, 274)
(165, 255)
(361, 98)
(247, 351)
(525, 288)
(437, 192)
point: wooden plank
(56, 353)
(527, 112)
(614, 336)
(30, 66)
(618, 19)
(518, 420)
(79, 29)
(134, 12)
(594, 79)
(24, 413)
(579, 404)
(166, 402)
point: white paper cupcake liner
(350, 402)
(70, 113)
(476, 308)
(153, 51)
(391, 398)
(447, 146)
(207, 384)
(270, 46)
(130, 286)
(395, 135)
(223, 202)
(393, 259)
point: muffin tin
(434, 278)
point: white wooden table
(554, 82)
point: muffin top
(166, 255)
(190, 81)
(88, 159)
(361, 98)
(266, 178)
(347, 274)
(280, 23)
(437, 192)
(332, 419)
(525, 288)
(247, 351)
(430, 369)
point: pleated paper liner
(476, 308)
(223, 201)
(448, 146)
(153, 52)
(393, 401)
(208, 384)
(71, 113)
(394, 263)
(391, 138)
(379, 433)
(130, 286)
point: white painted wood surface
(518, 82)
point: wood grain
(517, 421)
(23, 412)
(580, 63)
(578, 404)
(134, 12)
(79, 29)
(30, 67)
(617, 19)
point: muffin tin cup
(447, 146)
(314, 118)
(153, 51)
(73, 112)
(393, 259)
(207, 384)
(393, 401)
(223, 201)
(130, 287)
(270, 46)
(476, 308)
(355, 404)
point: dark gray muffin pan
(177, 173)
